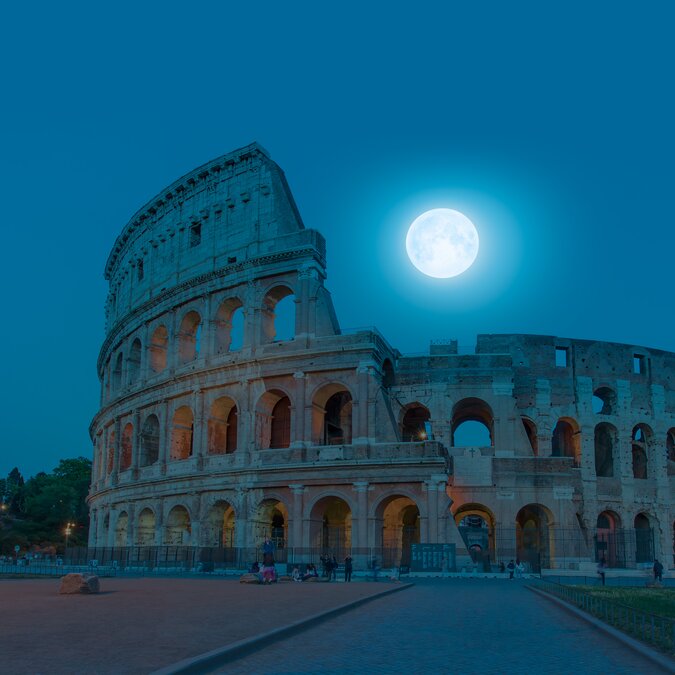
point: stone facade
(214, 432)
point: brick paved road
(450, 626)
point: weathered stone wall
(330, 440)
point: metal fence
(656, 630)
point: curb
(659, 659)
(208, 661)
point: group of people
(330, 566)
(310, 573)
(516, 568)
(657, 569)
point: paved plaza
(451, 626)
(442, 626)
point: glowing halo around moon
(442, 243)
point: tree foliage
(38, 510)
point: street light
(69, 530)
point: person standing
(658, 571)
(334, 567)
(511, 568)
(348, 568)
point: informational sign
(432, 558)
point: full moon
(442, 243)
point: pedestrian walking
(602, 566)
(658, 571)
(334, 567)
(511, 568)
(348, 568)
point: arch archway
(178, 527)
(271, 522)
(149, 441)
(219, 526)
(331, 526)
(145, 533)
(222, 426)
(122, 529)
(414, 423)
(125, 446)
(604, 401)
(229, 329)
(181, 434)
(134, 362)
(644, 538)
(606, 438)
(278, 315)
(472, 423)
(398, 518)
(475, 523)
(273, 420)
(332, 415)
(189, 337)
(641, 438)
(533, 536)
(159, 344)
(531, 433)
(608, 540)
(566, 439)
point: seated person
(296, 574)
(255, 568)
(311, 572)
(269, 574)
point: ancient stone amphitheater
(218, 429)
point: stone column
(144, 365)
(165, 441)
(131, 524)
(93, 524)
(199, 437)
(361, 426)
(432, 509)
(360, 519)
(296, 531)
(118, 446)
(241, 525)
(136, 444)
(299, 438)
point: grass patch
(659, 601)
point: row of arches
(191, 341)
(472, 424)
(330, 526)
(331, 425)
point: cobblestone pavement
(450, 626)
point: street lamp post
(69, 531)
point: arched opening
(110, 465)
(146, 528)
(149, 441)
(189, 337)
(531, 433)
(644, 539)
(605, 441)
(122, 529)
(399, 517)
(271, 522)
(159, 344)
(604, 401)
(641, 438)
(415, 423)
(273, 420)
(134, 361)
(222, 427)
(670, 451)
(388, 374)
(181, 433)
(533, 536)
(219, 526)
(178, 527)
(117, 372)
(126, 445)
(332, 416)
(476, 526)
(472, 424)
(566, 440)
(229, 326)
(278, 315)
(608, 542)
(331, 526)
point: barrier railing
(653, 629)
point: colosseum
(220, 427)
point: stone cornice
(183, 187)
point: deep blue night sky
(551, 129)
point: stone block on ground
(78, 583)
